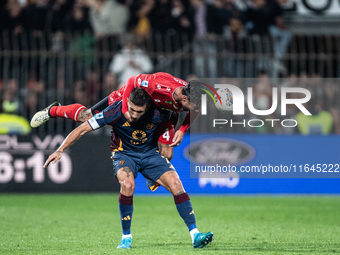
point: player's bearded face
(136, 112)
(187, 106)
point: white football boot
(42, 116)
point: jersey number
(166, 135)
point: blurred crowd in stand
(142, 17)
(81, 50)
(323, 105)
(158, 25)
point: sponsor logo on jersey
(165, 109)
(126, 124)
(145, 84)
(157, 100)
(150, 126)
(139, 81)
(163, 87)
(172, 103)
(121, 162)
(180, 81)
(138, 134)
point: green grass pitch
(89, 224)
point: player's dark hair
(139, 97)
(193, 90)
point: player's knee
(128, 187)
(176, 186)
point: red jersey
(160, 87)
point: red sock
(69, 111)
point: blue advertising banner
(284, 164)
(315, 160)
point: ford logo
(221, 151)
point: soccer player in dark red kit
(166, 91)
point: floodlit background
(82, 50)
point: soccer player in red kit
(166, 91)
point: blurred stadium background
(81, 50)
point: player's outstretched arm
(74, 136)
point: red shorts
(166, 132)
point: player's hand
(127, 116)
(178, 138)
(53, 158)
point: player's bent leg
(165, 132)
(84, 115)
(126, 180)
(165, 150)
(171, 181)
(68, 111)
(127, 183)
(56, 110)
